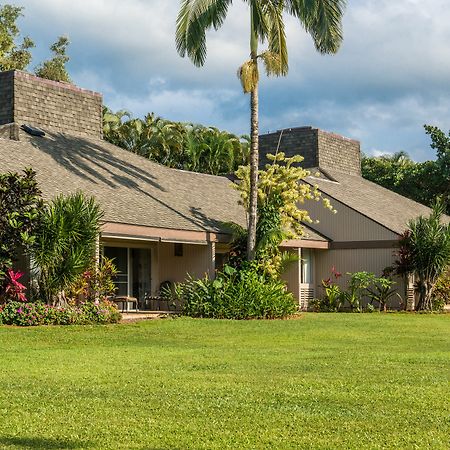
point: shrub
(441, 294)
(32, 314)
(243, 294)
(333, 296)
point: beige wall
(197, 261)
(346, 224)
(354, 260)
(292, 276)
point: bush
(441, 295)
(32, 314)
(243, 294)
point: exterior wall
(319, 148)
(51, 105)
(339, 153)
(346, 224)
(292, 276)
(355, 260)
(197, 261)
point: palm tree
(322, 19)
(425, 250)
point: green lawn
(323, 381)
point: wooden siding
(346, 224)
(355, 260)
(197, 261)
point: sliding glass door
(134, 271)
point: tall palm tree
(322, 19)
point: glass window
(119, 255)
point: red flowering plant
(333, 295)
(13, 289)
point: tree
(65, 244)
(280, 194)
(180, 145)
(425, 253)
(20, 206)
(55, 68)
(13, 56)
(422, 182)
(320, 18)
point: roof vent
(33, 130)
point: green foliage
(174, 144)
(243, 294)
(422, 182)
(280, 192)
(65, 243)
(360, 285)
(32, 314)
(20, 206)
(55, 68)
(94, 284)
(425, 253)
(441, 294)
(12, 55)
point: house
(161, 224)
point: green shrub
(32, 314)
(243, 294)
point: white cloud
(389, 78)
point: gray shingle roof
(130, 189)
(388, 208)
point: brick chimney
(319, 148)
(49, 105)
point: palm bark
(254, 150)
(254, 162)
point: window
(307, 266)
(119, 255)
(178, 249)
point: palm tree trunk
(254, 162)
(254, 150)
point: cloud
(389, 78)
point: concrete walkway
(144, 315)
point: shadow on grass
(42, 443)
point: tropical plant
(13, 289)
(55, 68)
(95, 284)
(65, 244)
(174, 144)
(320, 18)
(235, 294)
(380, 289)
(20, 206)
(13, 56)
(425, 250)
(421, 182)
(280, 194)
(441, 296)
(332, 298)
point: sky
(390, 77)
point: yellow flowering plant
(282, 194)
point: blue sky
(390, 77)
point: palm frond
(194, 19)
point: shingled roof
(379, 204)
(130, 188)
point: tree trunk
(254, 162)
(254, 148)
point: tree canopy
(180, 145)
(423, 181)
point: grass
(323, 381)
